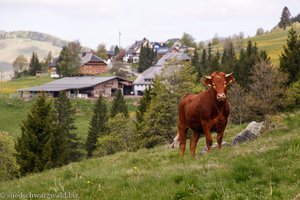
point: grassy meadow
(11, 87)
(272, 42)
(14, 110)
(265, 168)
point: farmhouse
(90, 65)
(82, 87)
(145, 80)
(134, 51)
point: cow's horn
(207, 77)
(227, 75)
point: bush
(118, 138)
(9, 168)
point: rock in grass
(253, 130)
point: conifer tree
(147, 57)
(159, 121)
(97, 125)
(215, 63)
(247, 59)
(66, 141)
(144, 104)
(290, 57)
(34, 65)
(34, 147)
(196, 63)
(285, 19)
(203, 62)
(47, 61)
(117, 50)
(228, 59)
(119, 105)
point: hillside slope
(271, 42)
(10, 49)
(266, 168)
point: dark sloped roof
(68, 83)
(90, 57)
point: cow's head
(219, 82)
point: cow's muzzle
(221, 97)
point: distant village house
(90, 65)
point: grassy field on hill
(13, 85)
(271, 42)
(265, 168)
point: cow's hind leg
(182, 140)
(193, 142)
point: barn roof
(69, 83)
(148, 74)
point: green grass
(28, 81)
(14, 110)
(265, 168)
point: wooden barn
(81, 87)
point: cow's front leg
(209, 139)
(182, 140)
(220, 137)
(193, 142)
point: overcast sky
(99, 21)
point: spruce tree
(97, 125)
(119, 105)
(146, 58)
(285, 19)
(117, 50)
(290, 57)
(34, 65)
(247, 59)
(203, 62)
(34, 147)
(144, 104)
(228, 59)
(196, 63)
(66, 140)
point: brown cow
(204, 112)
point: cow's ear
(229, 78)
(207, 81)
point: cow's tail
(175, 141)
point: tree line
(49, 138)
(43, 37)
